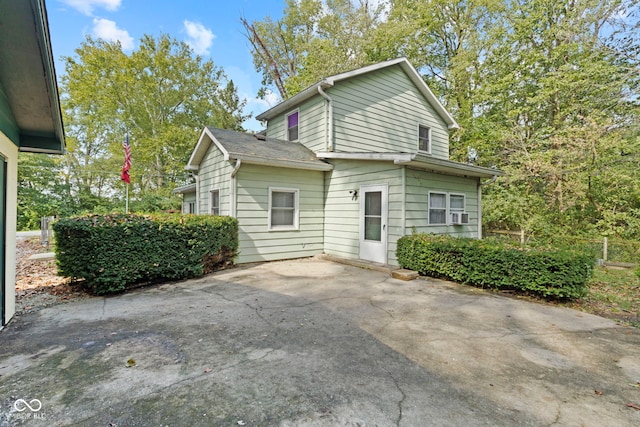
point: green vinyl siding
(256, 241)
(214, 174)
(342, 212)
(381, 111)
(8, 124)
(420, 183)
(312, 128)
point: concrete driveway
(316, 343)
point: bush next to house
(110, 252)
(548, 272)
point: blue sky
(211, 27)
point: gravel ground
(37, 282)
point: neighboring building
(347, 167)
(30, 118)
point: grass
(614, 294)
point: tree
(161, 94)
(447, 41)
(42, 191)
(562, 97)
(314, 39)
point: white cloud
(87, 6)
(108, 30)
(200, 38)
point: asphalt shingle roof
(240, 144)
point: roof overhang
(423, 162)
(411, 72)
(207, 138)
(185, 189)
(30, 113)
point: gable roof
(249, 149)
(29, 105)
(325, 83)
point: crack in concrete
(401, 401)
(196, 377)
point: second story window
(424, 139)
(292, 126)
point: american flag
(127, 160)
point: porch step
(404, 274)
(385, 268)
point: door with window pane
(373, 223)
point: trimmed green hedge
(112, 251)
(552, 273)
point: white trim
(291, 164)
(286, 125)
(420, 125)
(395, 157)
(372, 250)
(201, 150)
(296, 211)
(447, 209)
(214, 190)
(479, 210)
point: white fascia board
(190, 188)
(454, 168)
(394, 157)
(204, 142)
(291, 164)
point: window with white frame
(456, 203)
(189, 207)
(215, 202)
(292, 126)
(437, 208)
(283, 209)
(424, 139)
(442, 205)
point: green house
(30, 118)
(345, 167)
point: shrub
(547, 272)
(112, 251)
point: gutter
(329, 141)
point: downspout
(329, 142)
(232, 200)
(480, 184)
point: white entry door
(373, 223)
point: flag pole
(125, 169)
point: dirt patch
(37, 282)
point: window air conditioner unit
(459, 218)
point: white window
(215, 202)
(442, 205)
(456, 203)
(283, 209)
(189, 207)
(424, 139)
(437, 208)
(292, 126)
